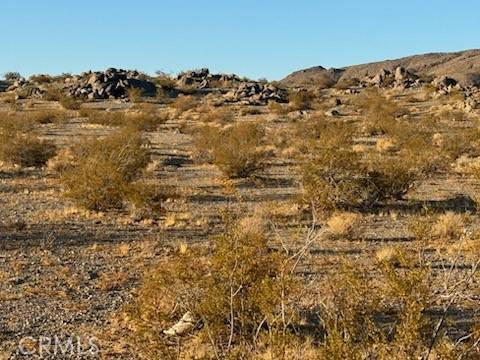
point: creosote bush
(243, 300)
(236, 150)
(336, 176)
(19, 145)
(103, 171)
(242, 292)
(301, 100)
(380, 113)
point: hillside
(463, 66)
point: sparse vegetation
(69, 103)
(301, 100)
(236, 150)
(358, 235)
(20, 146)
(143, 117)
(103, 171)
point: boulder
(471, 105)
(110, 84)
(444, 82)
(254, 93)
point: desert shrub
(336, 179)
(250, 110)
(449, 226)
(43, 116)
(185, 103)
(461, 142)
(247, 295)
(25, 149)
(103, 171)
(69, 103)
(12, 76)
(351, 315)
(277, 108)
(165, 81)
(25, 120)
(345, 84)
(332, 173)
(242, 300)
(142, 118)
(135, 94)
(380, 113)
(335, 176)
(20, 146)
(221, 115)
(393, 175)
(53, 92)
(301, 99)
(204, 140)
(41, 79)
(236, 150)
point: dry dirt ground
(68, 272)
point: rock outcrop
(110, 84)
(202, 79)
(4, 85)
(463, 66)
(254, 93)
(400, 78)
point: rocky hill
(463, 66)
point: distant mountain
(463, 66)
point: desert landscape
(329, 215)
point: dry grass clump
(449, 226)
(341, 224)
(165, 81)
(240, 295)
(278, 108)
(301, 100)
(144, 118)
(44, 116)
(184, 103)
(460, 142)
(25, 150)
(380, 113)
(250, 110)
(19, 145)
(237, 150)
(219, 115)
(53, 92)
(69, 103)
(103, 171)
(135, 94)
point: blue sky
(255, 38)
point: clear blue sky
(255, 38)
